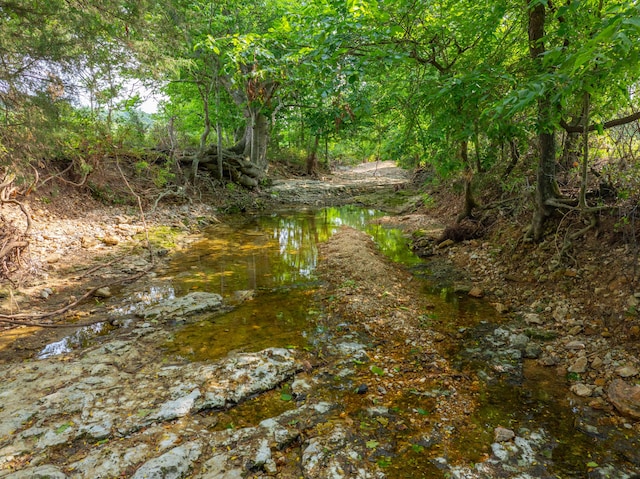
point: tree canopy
(511, 90)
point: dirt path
(341, 186)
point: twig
(30, 319)
(96, 268)
(144, 221)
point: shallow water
(265, 266)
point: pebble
(54, 258)
(627, 371)
(110, 240)
(579, 366)
(476, 292)
(103, 293)
(502, 434)
(582, 390)
(575, 345)
(532, 318)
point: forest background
(533, 99)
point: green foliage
(446, 84)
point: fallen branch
(32, 319)
(97, 267)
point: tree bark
(312, 159)
(546, 184)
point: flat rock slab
(119, 393)
(192, 303)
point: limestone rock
(40, 472)
(627, 371)
(174, 464)
(196, 302)
(582, 390)
(625, 397)
(579, 366)
(502, 434)
(532, 318)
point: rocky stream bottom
(383, 386)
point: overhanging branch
(609, 124)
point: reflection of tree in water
(270, 251)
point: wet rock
(196, 302)
(579, 366)
(243, 295)
(502, 434)
(501, 308)
(174, 464)
(625, 398)
(362, 389)
(519, 341)
(445, 244)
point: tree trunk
(469, 201)
(546, 185)
(312, 159)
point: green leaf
(377, 370)
(286, 397)
(63, 427)
(372, 444)
(592, 464)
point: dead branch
(32, 319)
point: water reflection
(274, 250)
